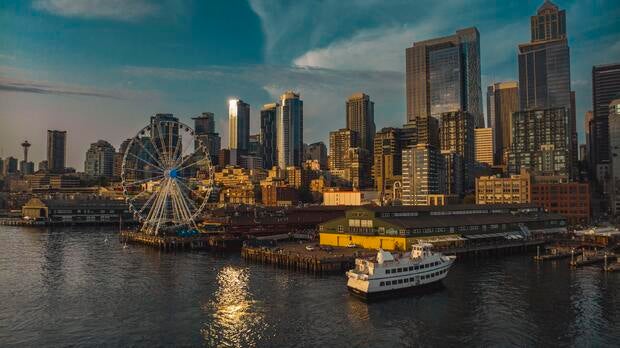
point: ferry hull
(378, 295)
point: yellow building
(484, 145)
(342, 198)
(494, 190)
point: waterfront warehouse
(397, 228)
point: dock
(295, 257)
(592, 260)
(176, 243)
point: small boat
(388, 274)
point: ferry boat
(389, 274)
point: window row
(411, 268)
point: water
(70, 287)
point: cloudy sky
(100, 68)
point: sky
(100, 68)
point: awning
(442, 238)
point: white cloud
(123, 10)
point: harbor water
(78, 286)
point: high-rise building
(613, 117)
(269, 134)
(361, 119)
(388, 157)
(574, 140)
(100, 160)
(10, 165)
(544, 63)
(318, 152)
(423, 174)
(254, 147)
(457, 134)
(56, 150)
(484, 145)
(238, 128)
(290, 126)
(165, 136)
(204, 128)
(340, 142)
(588, 126)
(502, 101)
(358, 167)
(443, 75)
(605, 88)
(496, 190)
(540, 142)
(544, 75)
(453, 172)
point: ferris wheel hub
(172, 173)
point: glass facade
(444, 70)
(290, 130)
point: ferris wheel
(167, 176)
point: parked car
(351, 245)
(309, 247)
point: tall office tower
(484, 145)
(574, 140)
(10, 165)
(454, 172)
(443, 75)
(238, 128)
(588, 125)
(605, 88)
(269, 134)
(165, 136)
(340, 142)
(100, 160)
(361, 119)
(502, 101)
(544, 69)
(318, 152)
(387, 157)
(56, 150)
(457, 134)
(290, 129)
(423, 174)
(540, 142)
(254, 147)
(358, 166)
(614, 145)
(204, 128)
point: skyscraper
(165, 136)
(56, 150)
(614, 145)
(100, 160)
(361, 119)
(502, 101)
(290, 126)
(238, 128)
(443, 75)
(340, 142)
(423, 174)
(269, 134)
(317, 151)
(605, 88)
(204, 128)
(388, 157)
(544, 88)
(484, 145)
(544, 63)
(457, 134)
(357, 170)
(540, 142)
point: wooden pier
(176, 243)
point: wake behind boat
(388, 274)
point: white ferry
(388, 274)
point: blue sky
(100, 68)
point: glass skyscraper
(443, 75)
(290, 126)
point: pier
(176, 243)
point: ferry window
(393, 282)
(387, 271)
(411, 278)
(382, 284)
(399, 270)
(406, 280)
(415, 267)
(400, 281)
(411, 268)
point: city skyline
(77, 86)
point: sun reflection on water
(235, 318)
